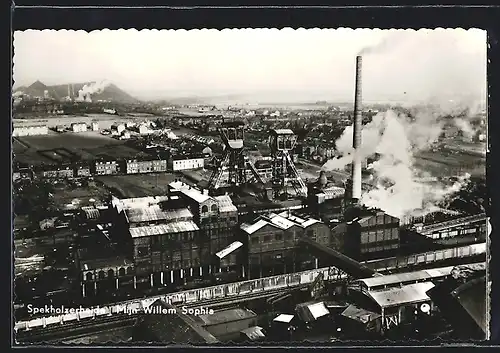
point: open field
(69, 146)
(450, 163)
(138, 185)
(69, 197)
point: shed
(362, 318)
(309, 312)
(254, 333)
(228, 321)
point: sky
(287, 64)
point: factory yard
(63, 147)
(128, 186)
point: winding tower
(234, 169)
(285, 174)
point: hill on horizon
(110, 93)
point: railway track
(250, 289)
(79, 328)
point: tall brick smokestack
(356, 142)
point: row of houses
(29, 130)
(111, 167)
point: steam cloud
(400, 188)
(84, 95)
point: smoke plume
(84, 95)
(466, 128)
(400, 188)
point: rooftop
(169, 228)
(286, 318)
(226, 204)
(358, 314)
(409, 294)
(284, 220)
(283, 131)
(138, 201)
(311, 311)
(406, 277)
(189, 191)
(156, 213)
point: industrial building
(78, 127)
(397, 297)
(29, 130)
(178, 237)
(372, 233)
(177, 163)
(272, 241)
(326, 200)
(217, 218)
(466, 229)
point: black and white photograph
(249, 187)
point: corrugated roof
(406, 277)
(169, 228)
(156, 213)
(226, 204)
(409, 294)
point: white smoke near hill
(399, 187)
(84, 95)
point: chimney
(356, 143)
